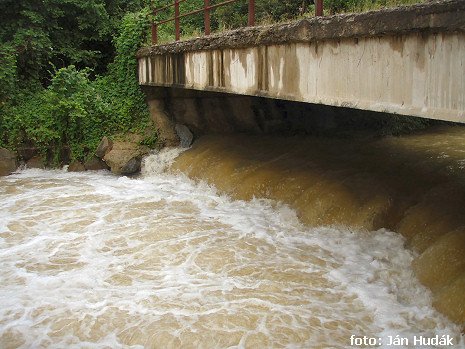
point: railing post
(251, 13)
(319, 8)
(154, 27)
(206, 9)
(154, 33)
(207, 16)
(176, 19)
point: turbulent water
(92, 260)
(413, 185)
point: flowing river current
(93, 260)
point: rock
(185, 135)
(35, 162)
(125, 156)
(104, 147)
(132, 166)
(8, 162)
(76, 166)
(27, 152)
(95, 164)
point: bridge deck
(407, 60)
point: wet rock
(125, 156)
(35, 162)
(132, 166)
(8, 162)
(76, 166)
(185, 135)
(104, 147)
(95, 164)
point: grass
(367, 5)
(330, 7)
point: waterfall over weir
(271, 243)
(413, 185)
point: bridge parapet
(408, 60)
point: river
(93, 260)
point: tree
(61, 32)
(53, 53)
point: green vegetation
(227, 17)
(66, 81)
(68, 67)
(341, 6)
(235, 15)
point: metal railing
(206, 10)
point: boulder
(8, 162)
(104, 147)
(132, 166)
(76, 166)
(185, 135)
(126, 155)
(35, 162)
(95, 164)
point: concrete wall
(205, 112)
(409, 61)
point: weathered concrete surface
(205, 112)
(161, 119)
(407, 60)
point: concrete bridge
(408, 60)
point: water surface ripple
(91, 260)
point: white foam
(94, 260)
(160, 160)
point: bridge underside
(408, 61)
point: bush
(74, 112)
(337, 6)
(7, 71)
(120, 88)
(69, 113)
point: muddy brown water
(240, 241)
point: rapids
(267, 257)
(413, 185)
